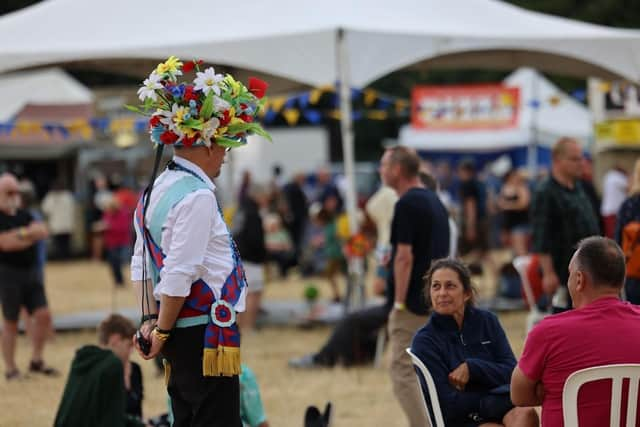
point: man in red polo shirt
(601, 330)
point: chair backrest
(521, 264)
(431, 388)
(616, 373)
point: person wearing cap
(184, 254)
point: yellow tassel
(221, 361)
(167, 371)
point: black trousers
(353, 340)
(198, 401)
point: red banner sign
(465, 107)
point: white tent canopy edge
(313, 44)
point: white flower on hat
(208, 80)
(171, 119)
(149, 86)
(209, 130)
(220, 104)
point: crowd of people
(581, 273)
(422, 220)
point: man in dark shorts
(20, 280)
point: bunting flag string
(313, 106)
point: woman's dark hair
(461, 270)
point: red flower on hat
(257, 87)
(189, 93)
(225, 119)
(168, 137)
(247, 118)
(189, 141)
(154, 121)
(189, 66)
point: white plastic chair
(431, 387)
(380, 341)
(521, 264)
(616, 373)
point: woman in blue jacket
(467, 353)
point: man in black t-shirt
(20, 278)
(419, 235)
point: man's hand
(37, 231)
(146, 330)
(379, 286)
(156, 347)
(550, 283)
(459, 377)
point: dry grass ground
(362, 396)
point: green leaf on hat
(135, 109)
(248, 127)
(193, 124)
(148, 104)
(228, 142)
(207, 106)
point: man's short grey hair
(602, 260)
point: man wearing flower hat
(184, 253)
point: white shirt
(195, 239)
(614, 192)
(59, 208)
(380, 208)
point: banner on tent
(464, 107)
(619, 132)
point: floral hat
(211, 109)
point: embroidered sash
(222, 338)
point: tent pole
(355, 285)
(532, 149)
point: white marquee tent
(297, 39)
(50, 86)
(319, 42)
(545, 114)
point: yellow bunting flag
(334, 114)
(314, 96)
(25, 127)
(401, 106)
(377, 115)
(121, 125)
(291, 115)
(370, 97)
(554, 100)
(604, 87)
(83, 128)
(277, 103)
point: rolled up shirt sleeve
(136, 258)
(189, 237)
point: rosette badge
(210, 109)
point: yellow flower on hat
(170, 66)
(233, 85)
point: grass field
(361, 396)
